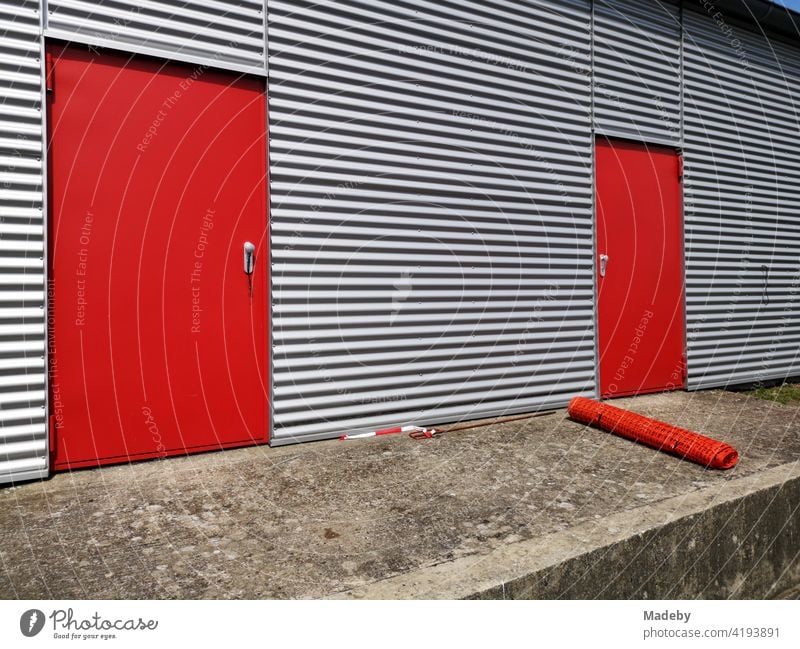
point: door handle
(603, 263)
(249, 264)
(249, 257)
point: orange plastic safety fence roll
(657, 434)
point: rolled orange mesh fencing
(657, 434)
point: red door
(639, 268)
(158, 335)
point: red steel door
(639, 268)
(157, 180)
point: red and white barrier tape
(385, 431)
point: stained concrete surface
(338, 518)
(739, 540)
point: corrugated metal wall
(637, 69)
(23, 430)
(227, 33)
(431, 210)
(432, 196)
(742, 204)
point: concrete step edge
(493, 574)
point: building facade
(437, 224)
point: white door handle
(603, 262)
(249, 257)
(249, 264)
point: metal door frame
(598, 135)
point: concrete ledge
(738, 540)
(540, 507)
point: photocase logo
(31, 622)
(66, 626)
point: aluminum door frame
(682, 228)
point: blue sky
(792, 4)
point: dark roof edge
(761, 14)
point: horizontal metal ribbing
(742, 196)
(23, 431)
(221, 34)
(637, 83)
(431, 211)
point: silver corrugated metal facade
(23, 428)
(222, 33)
(432, 194)
(727, 96)
(229, 35)
(370, 329)
(431, 201)
(637, 70)
(742, 203)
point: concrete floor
(336, 518)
